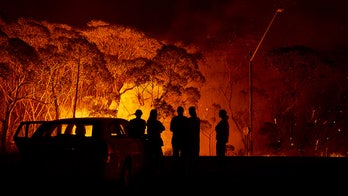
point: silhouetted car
(82, 147)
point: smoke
(312, 23)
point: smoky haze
(313, 23)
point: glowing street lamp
(252, 55)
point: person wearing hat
(137, 125)
(222, 133)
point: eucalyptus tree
(92, 79)
(126, 43)
(17, 76)
(53, 71)
(30, 31)
(35, 35)
(56, 80)
(140, 63)
(170, 79)
(306, 90)
(124, 48)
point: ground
(208, 175)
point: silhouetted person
(100, 155)
(81, 152)
(154, 130)
(222, 133)
(194, 132)
(178, 127)
(192, 140)
(80, 130)
(137, 125)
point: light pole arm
(264, 34)
(251, 57)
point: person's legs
(175, 150)
(220, 149)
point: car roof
(80, 119)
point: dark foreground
(210, 175)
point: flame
(126, 109)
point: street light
(251, 57)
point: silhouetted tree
(170, 79)
(306, 92)
(92, 77)
(124, 49)
(16, 75)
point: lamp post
(251, 57)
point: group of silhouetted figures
(153, 137)
(185, 136)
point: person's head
(180, 110)
(223, 113)
(153, 114)
(192, 111)
(138, 113)
(80, 130)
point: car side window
(52, 131)
(115, 130)
(88, 129)
(26, 130)
(79, 129)
(122, 129)
(68, 129)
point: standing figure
(194, 132)
(154, 130)
(137, 125)
(192, 141)
(222, 133)
(178, 127)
